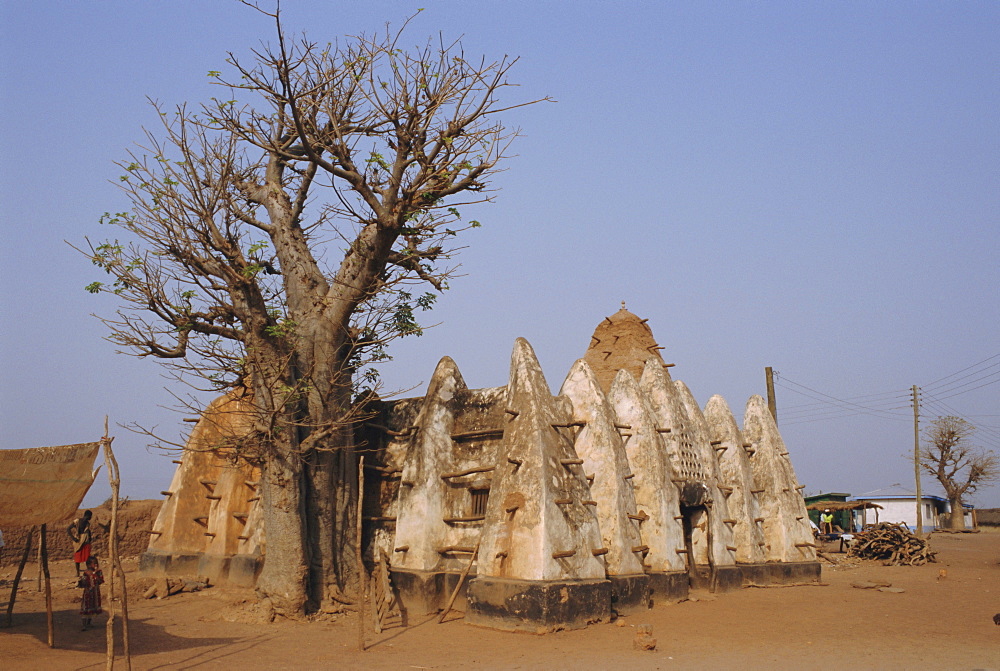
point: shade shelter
(39, 486)
(836, 506)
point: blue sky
(809, 186)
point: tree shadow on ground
(145, 639)
(388, 635)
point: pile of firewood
(894, 544)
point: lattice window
(478, 496)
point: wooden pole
(916, 460)
(461, 581)
(772, 404)
(17, 576)
(117, 572)
(43, 542)
(360, 557)
(39, 585)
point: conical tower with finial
(622, 341)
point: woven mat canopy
(41, 485)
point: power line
(930, 385)
(886, 394)
(836, 411)
(889, 404)
(985, 384)
(885, 404)
(990, 434)
(842, 404)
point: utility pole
(772, 405)
(916, 460)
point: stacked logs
(894, 544)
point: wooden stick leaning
(117, 572)
(43, 544)
(461, 581)
(360, 558)
(17, 576)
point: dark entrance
(699, 562)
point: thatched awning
(841, 505)
(41, 485)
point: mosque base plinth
(792, 572)
(423, 592)
(158, 564)
(537, 606)
(756, 574)
(629, 593)
(668, 587)
(237, 570)
(244, 570)
(728, 578)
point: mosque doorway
(697, 546)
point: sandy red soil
(935, 623)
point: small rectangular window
(479, 498)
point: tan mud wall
(135, 519)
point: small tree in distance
(958, 465)
(280, 236)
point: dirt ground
(937, 622)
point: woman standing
(80, 533)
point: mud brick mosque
(617, 494)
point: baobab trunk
(957, 518)
(284, 578)
(330, 522)
(330, 466)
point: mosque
(615, 495)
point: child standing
(91, 582)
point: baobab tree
(278, 237)
(959, 466)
